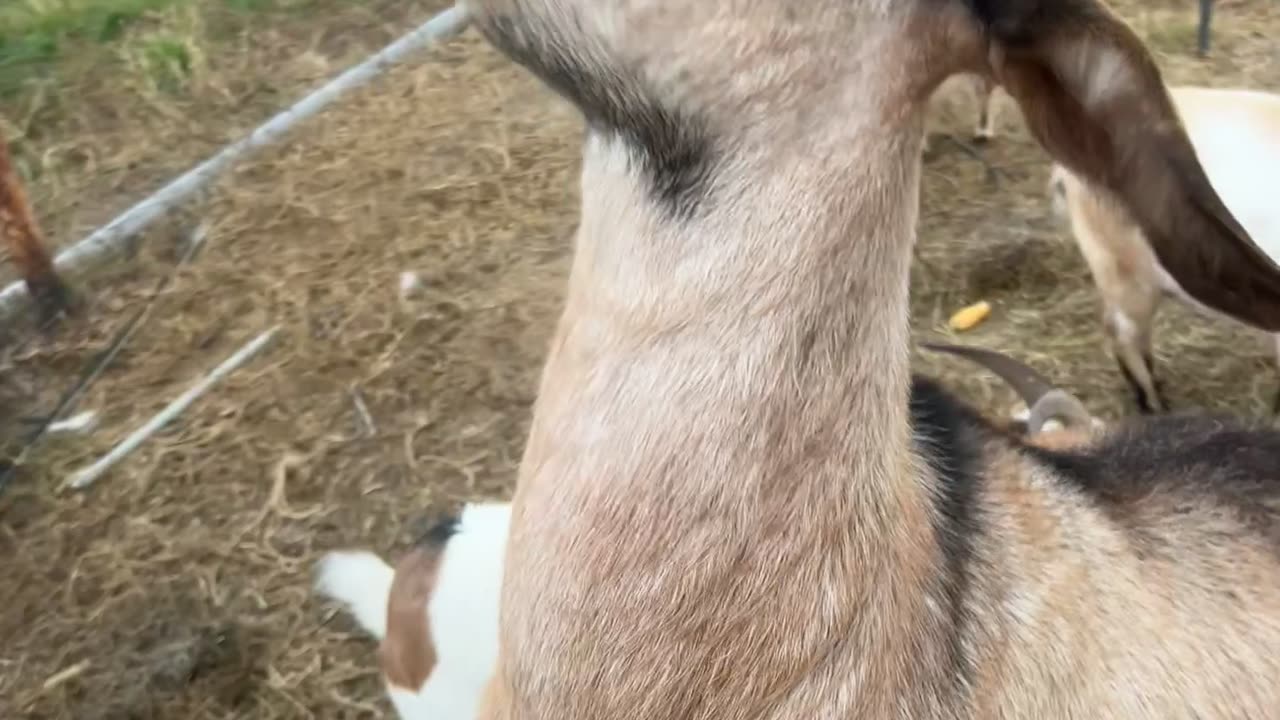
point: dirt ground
(178, 585)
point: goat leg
(986, 127)
(1149, 396)
(1203, 29)
(1139, 392)
(49, 292)
(21, 233)
(1129, 335)
(52, 299)
(1157, 384)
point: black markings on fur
(1140, 476)
(949, 436)
(1018, 21)
(672, 147)
(439, 532)
(1136, 476)
(1181, 460)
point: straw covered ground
(178, 585)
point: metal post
(1206, 15)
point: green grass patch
(33, 30)
(36, 35)
(167, 62)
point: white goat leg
(984, 88)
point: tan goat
(1236, 134)
(735, 502)
(26, 245)
(436, 611)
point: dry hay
(179, 586)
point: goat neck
(720, 512)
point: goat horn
(1044, 401)
(1061, 405)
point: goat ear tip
(438, 531)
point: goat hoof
(928, 151)
(1153, 408)
(53, 301)
(1151, 405)
(1162, 399)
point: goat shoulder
(1071, 540)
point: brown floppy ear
(1094, 98)
(408, 651)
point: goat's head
(695, 91)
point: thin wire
(102, 361)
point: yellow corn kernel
(967, 318)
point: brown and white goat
(435, 613)
(735, 502)
(1236, 134)
(26, 245)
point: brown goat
(25, 242)
(736, 503)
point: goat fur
(26, 244)
(735, 502)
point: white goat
(1236, 134)
(735, 502)
(436, 613)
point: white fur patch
(361, 581)
(1126, 330)
(1238, 145)
(1108, 74)
(1051, 425)
(463, 614)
